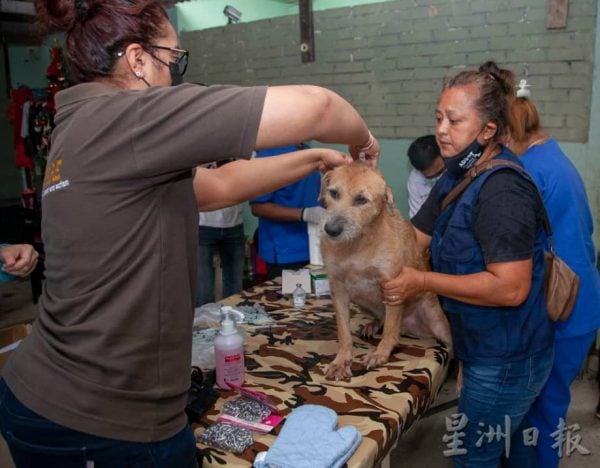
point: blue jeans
(230, 244)
(493, 403)
(35, 441)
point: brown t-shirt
(110, 352)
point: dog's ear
(324, 184)
(390, 204)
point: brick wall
(389, 58)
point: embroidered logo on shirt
(53, 179)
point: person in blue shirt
(566, 201)
(16, 260)
(283, 216)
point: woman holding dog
(570, 216)
(103, 378)
(488, 265)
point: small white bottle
(299, 296)
(229, 354)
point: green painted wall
(202, 14)
(28, 65)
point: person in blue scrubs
(283, 216)
(566, 201)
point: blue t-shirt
(287, 241)
(569, 212)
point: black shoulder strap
(476, 171)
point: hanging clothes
(18, 97)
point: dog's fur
(365, 242)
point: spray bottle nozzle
(228, 324)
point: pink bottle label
(230, 368)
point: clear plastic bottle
(299, 296)
(229, 354)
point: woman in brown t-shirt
(104, 375)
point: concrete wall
(389, 59)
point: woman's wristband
(369, 144)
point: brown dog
(365, 242)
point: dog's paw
(375, 359)
(339, 369)
(371, 329)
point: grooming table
(288, 363)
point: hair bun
(81, 7)
(55, 15)
(505, 78)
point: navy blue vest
(484, 334)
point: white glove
(313, 214)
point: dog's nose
(334, 227)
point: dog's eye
(334, 194)
(361, 200)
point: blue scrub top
(569, 212)
(287, 241)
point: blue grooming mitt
(309, 439)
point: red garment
(18, 97)
(22, 159)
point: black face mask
(176, 77)
(458, 165)
(174, 70)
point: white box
(314, 244)
(290, 278)
(320, 282)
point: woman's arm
(292, 114)
(501, 284)
(242, 180)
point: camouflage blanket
(288, 363)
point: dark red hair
(524, 120)
(97, 29)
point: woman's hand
(18, 259)
(243, 180)
(332, 158)
(407, 284)
(501, 284)
(369, 152)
